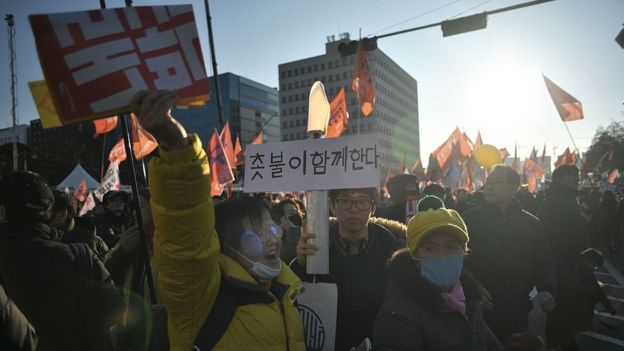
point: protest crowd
(199, 255)
(416, 265)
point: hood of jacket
(30, 230)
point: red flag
(104, 125)
(88, 205)
(613, 175)
(443, 152)
(239, 153)
(257, 139)
(118, 153)
(226, 140)
(362, 84)
(338, 117)
(567, 158)
(418, 170)
(81, 191)
(143, 143)
(533, 173)
(220, 170)
(569, 108)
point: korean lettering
(319, 162)
(277, 164)
(257, 164)
(340, 158)
(296, 162)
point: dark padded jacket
(68, 310)
(509, 255)
(16, 333)
(414, 315)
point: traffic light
(464, 24)
(350, 48)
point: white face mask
(261, 271)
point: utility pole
(11, 35)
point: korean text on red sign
(94, 61)
(345, 162)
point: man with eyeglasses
(509, 254)
(359, 250)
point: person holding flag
(220, 274)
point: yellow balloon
(487, 156)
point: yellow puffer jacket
(190, 266)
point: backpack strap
(232, 293)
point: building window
(290, 111)
(296, 71)
(296, 109)
(322, 66)
(284, 125)
(298, 123)
(315, 68)
(283, 74)
(289, 86)
(284, 112)
(337, 76)
(330, 64)
(309, 69)
(290, 98)
(296, 84)
(289, 73)
(283, 99)
(290, 124)
(297, 97)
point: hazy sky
(489, 80)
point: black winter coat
(69, 311)
(16, 333)
(361, 281)
(509, 255)
(414, 315)
(563, 225)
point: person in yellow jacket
(223, 292)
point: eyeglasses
(360, 205)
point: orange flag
(228, 147)
(143, 143)
(613, 176)
(220, 170)
(104, 125)
(81, 191)
(338, 117)
(533, 173)
(418, 170)
(569, 108)
(238, 152)
(118, 153)
(443, 152)
(503, 154)
(257, 139)
(362, 84)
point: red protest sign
(94, 61)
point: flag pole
(578, 154)
(142, 259)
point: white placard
(318, 306)
(316, 164)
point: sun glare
(503, 94)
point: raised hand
(153, 110)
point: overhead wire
(417, 16)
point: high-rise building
(249, 107)
(21, 131)
(394, 119)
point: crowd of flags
(451, 164)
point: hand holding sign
(304, 248)
(153, 109)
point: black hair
(594, 256)
(64, 201)
(435, 189)
(509, 174)
(373, 193)
(277, 211)
(229, 215)
(564, 171)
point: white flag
(110, 182)
(88, 205)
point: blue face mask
(443, 271)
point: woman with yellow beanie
(431, 302)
